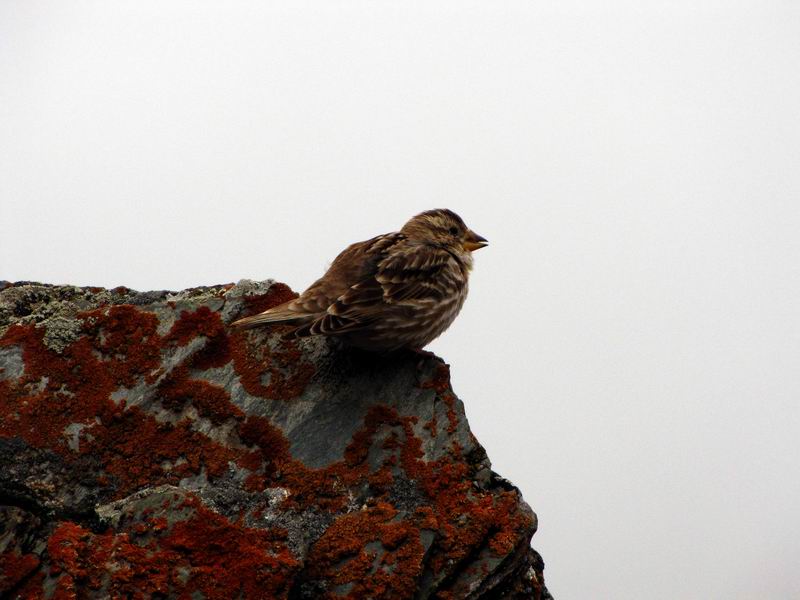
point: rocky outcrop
(146, 450)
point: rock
(146, 450)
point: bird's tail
(281, 316)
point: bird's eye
(454, 231)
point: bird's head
(444, 228)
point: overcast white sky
(630, 352)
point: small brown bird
(397, 290)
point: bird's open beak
(474, 242)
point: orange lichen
(14, 567)
(133, 447)
(126, 340)
(201, 323)
(268, 439)
(432, 426)
(278, 293)
(440, 383)
(211, 401)
(55, 390)
(279, 373)
(283, 368)
(205, 554)
(119, 345)
(344, 557)
(452, 418)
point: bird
(399, 290)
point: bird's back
(355, 264)
(395, 290)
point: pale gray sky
(630, 351)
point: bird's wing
(415, 273)
(401, 273)
(356, 263)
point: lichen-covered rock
(148, 451)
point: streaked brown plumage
(397, 290)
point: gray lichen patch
(33, 303)
(60, 332)
(248, 287)
(244, 288)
